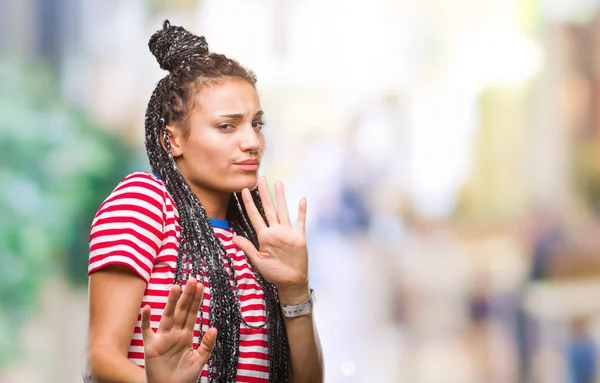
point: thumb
(147, 332)
(247, 247)
(207, 345)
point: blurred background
(449, 150)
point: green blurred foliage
(56, 167)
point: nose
(250, 140)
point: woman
(192, 224)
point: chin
(241, 183)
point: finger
(207, 345)
(246, 246)
(265, 197)
(147, 332)
(183, 306)
(256, 258)
(190, 320)
(301, 222)
(166, 321)
(282, 210)
(255, 218)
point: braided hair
(190, 65)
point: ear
(175, 139)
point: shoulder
(137, 190)
(143, 180)
(141, 183)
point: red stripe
(171, 245)
(120, 263)
(163, 268)
(134, 250)
(252, 367)
(254, 343)
(153, 187)
(249, 286)
(224, 237)
(247, 297)
(135, 355)
(132, 220)
(119, 233)
(115, 262)
(125, 208)
(256, 307)
(254, 332)
(162, 281)
(246, 274)
(254, 355)
(254, 319)
(135, 195)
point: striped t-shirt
(138, 226)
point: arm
(305, 347)
(125, 238)
(283, 260)
(115, 296)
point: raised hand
(169, 353)
(282, 258)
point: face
(224, 143)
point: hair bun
(172, 44)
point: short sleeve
(129, 225)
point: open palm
(282, 258)
(169, 353)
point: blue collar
(219, 223)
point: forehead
(228, 97)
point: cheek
(207, 155)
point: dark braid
(201, 253)
(278, 345)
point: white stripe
(169, 253)
(130, 213)
(122, 226)
(118, 258)
(166, 274)
(254, 301)
(136, 336)
(143, 177)
(259, 349)
(253, 313)
(132, 201)
(245, 275)
(225, 233)
(139, 362)
(127, 249)
(158, 286)
(136, 349)
(254, 374)
(155, 299)
(149, 191)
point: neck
(215, 203)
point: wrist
(293, 295)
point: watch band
(304, 308)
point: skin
(223, 128)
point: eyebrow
(260, 113)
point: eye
(225, 126)
(258, 125)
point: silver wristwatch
(304, 308)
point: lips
(248, 162)
(249, 165)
